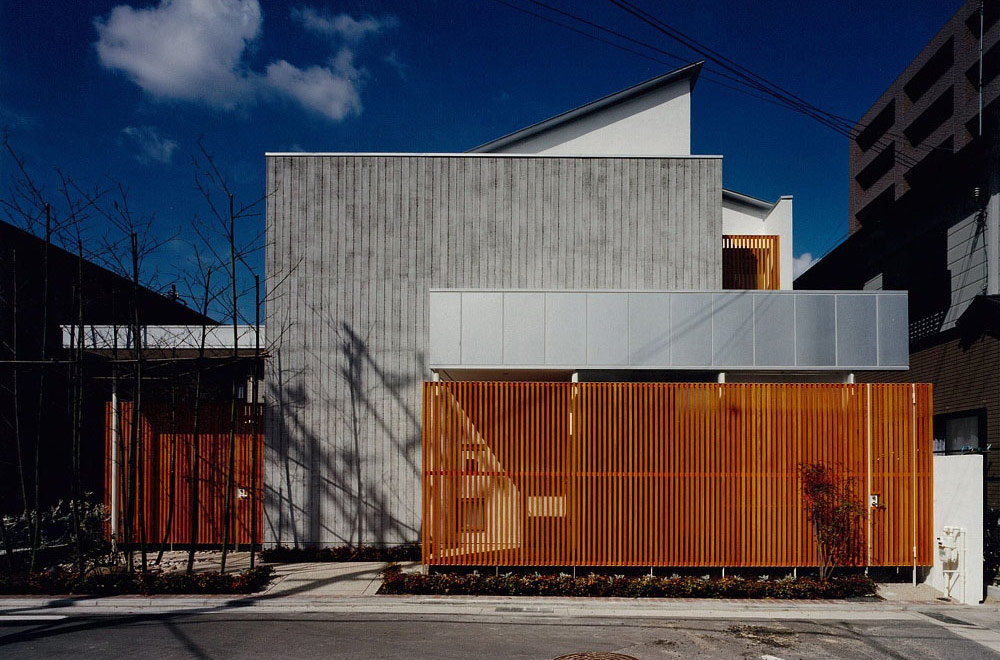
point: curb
(491, 606)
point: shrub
(56, 534)
(395, 581)
(285, 554)
(114, 583)
(835, 512)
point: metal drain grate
(595, 655)
(950, 620)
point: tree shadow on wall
(349, 484)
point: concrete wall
(654, 124)
(354, 244)
(958, 501)
(741, 217)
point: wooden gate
(637, 474)
(165, 459)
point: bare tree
(225, 216)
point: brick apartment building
(924, 215)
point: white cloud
(194, 50)
(802, 263)
(341, 25)
(392, 59)
(330, 91)
(153, 147)
(183, 49)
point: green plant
(285, 554)
(56, 542)
(395, 581)
(121, 582)
(835, 512)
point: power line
(741, 84)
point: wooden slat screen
(750, 262)
(163, 432)
(655, 474)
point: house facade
(453, 337)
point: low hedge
(397, 582)
(120, 583)
(287, 555)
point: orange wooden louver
(637, 474)
(164, 433)
(750, 262)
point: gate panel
(667, 474)
(165, 459)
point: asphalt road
(244, 636)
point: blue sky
(109, 91)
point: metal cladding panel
(607, 329)
(856, 317)
(446, 335)
(733, 329)
(815, 330)
(649, 329)
(774, 336)
(482, 328)
(523, 328)
(724, 330)
(691, 329)
(893, 347)
(565, 328)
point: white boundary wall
(958, 502)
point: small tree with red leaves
(835, 512)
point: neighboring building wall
(931, 109)
(354, 245)
(966, 264)
(107, 299)
(655, 124)
(966, 377)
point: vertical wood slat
(666, 474)
(158, 438)
(751, 261)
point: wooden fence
(751, 262)
(623, 474)
(166, 434)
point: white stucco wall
(958, 502)
(653, 124)
(739, 217)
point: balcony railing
(750, 262)
(691, 330)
